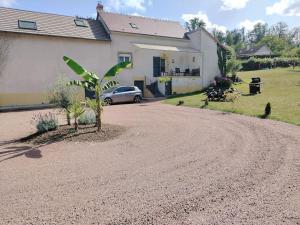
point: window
(130, 89)
(120, 90)
(30, 25)
(80, 23)
(133, 25)
(124, 57)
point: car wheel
(137, 99)
(108, 101)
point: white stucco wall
(182, 85)
(202, 41)
(143, 58)
(35, 62)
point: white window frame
(125, 55)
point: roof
(146, 26)
(166, 48)
(51, 25)
(252, 51)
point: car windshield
(109, 90)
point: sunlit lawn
(281, 88)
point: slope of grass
(281, 88)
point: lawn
(281, 88)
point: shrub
(268, 63)
(46, 122)
(87, 118)
(223, 82)
(76, 111)
(62, 96)
(268, 110)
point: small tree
(76, 111)
(232, 65)
(62, 96)
(222, 59)
(93, 83)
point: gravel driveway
(174, 165)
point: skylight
(30, 25)
(80, 23)
(133, 25)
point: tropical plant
(92, 82)
(76, 111)
(45, 122)
(62, 96)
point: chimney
(100, 7)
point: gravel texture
(173, 165)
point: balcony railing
(187, 72)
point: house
(255, 51)
(34, 44)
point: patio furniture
(177, 71)
(187, 72)
(196, 72)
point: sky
(221, 14)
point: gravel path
(174, 165)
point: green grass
(281, 88)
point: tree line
(282, 40)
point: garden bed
(67, 133)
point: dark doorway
(156, 66)
(168, 88)
(159, 66)
(140, 85)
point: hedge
(268, 63)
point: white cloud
(134, 4)
(249, 25)
(284, 8)
(136, 14)
(7, 3)
(202, 16)
(234, 4)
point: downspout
(202, 53)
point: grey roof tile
(51, 25)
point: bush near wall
(268, 63)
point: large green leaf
(79, 70)
(117, 69)
(109, 85)
(80, 83)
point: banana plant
(92, 82)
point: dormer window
(80, 23)
(133, 25)
(25, 24)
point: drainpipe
(202, 59)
